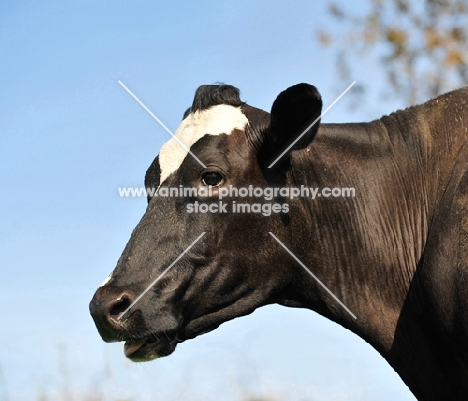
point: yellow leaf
(453, 58)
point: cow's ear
(292, 115)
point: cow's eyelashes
(212, 178)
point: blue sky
(70, 136)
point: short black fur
(208, 96)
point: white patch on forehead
(217, 120)
(106, 280)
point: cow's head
(233, 268)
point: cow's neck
(368, 250)
(365, 249)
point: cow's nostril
(119, 307)
(106, 308)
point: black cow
(395, 255)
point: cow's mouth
(149, 349)
(162, 344)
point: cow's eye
(212, 178)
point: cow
(389, 263)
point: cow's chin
(164, 344)
(147, 350)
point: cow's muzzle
(106, 308)
(115, 322)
